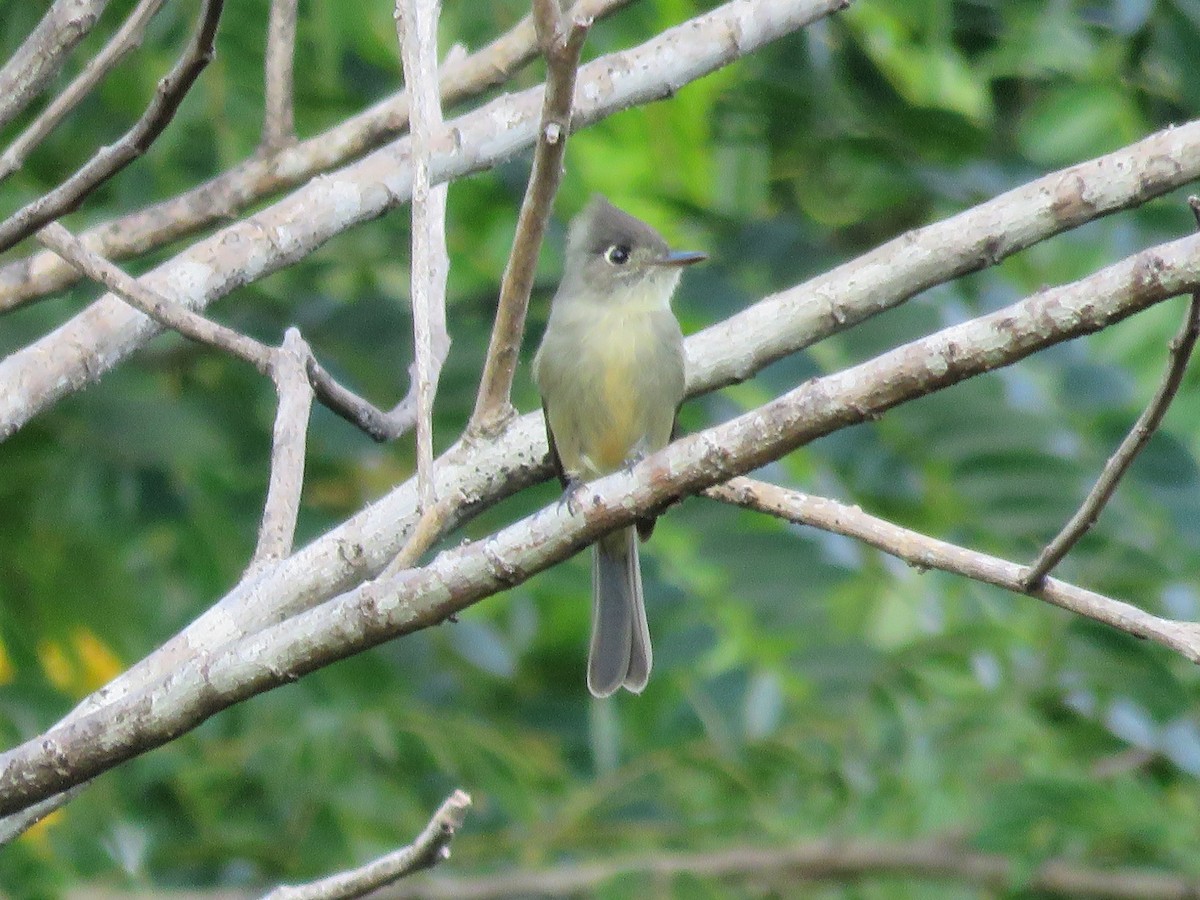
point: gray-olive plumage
(611, 374)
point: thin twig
(42, 54)
(561, 46)
(1179, 352)
(258, 177)
(924, 552)
(382, 426)
(111, 159)
(787, 868)
(379, 425)
(430, 526)
(170, 315)
(289, 438)
(431, 847)
(361, 614)
(416, 29)
(128, 37)
(279, 124)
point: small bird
(610, 370)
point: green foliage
(805, 686)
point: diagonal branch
(924, 552)
(279, 122)
(416, 26)
(92, 342)
(152, 304)
(778, 871)
(261, 176)
(562, 46)
(1179, 352)
(486, 472)
(42, 54)
(431, 847)
(128, 37)
(111, 159)
(376, 611)
(382, 426)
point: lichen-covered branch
(111, 159)
(561, 44)
(127, 38)
(376, 611)
(266, 174)
(431, 847)
(92, 342)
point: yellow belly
(611, 384)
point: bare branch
(379, 425)
(111, 159)
(42, 54)
(562, 47)
(282, 507)
(430, 526)
(814, 861)
(416, 29)
(201, 684)
(486, 472)
(431, 847)
(92, 342)
(170, 315)
(924, 552)
(279, 124)
(1179, 352)
(225, 195)
(128, 37)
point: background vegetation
(804, 686)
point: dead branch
(924, 552)
(289, 438)
(782, 868)
(42, 54)
(416, 26)
(382, 426)
(561, 45)
(128, 37)
(431, 847)
(262, 176)
(279, 122)
(1178, 354)
(111, 159)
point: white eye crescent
(617, 254)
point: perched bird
(611, 374)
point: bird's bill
(682, 258)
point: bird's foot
(638, 454)
(570, 494)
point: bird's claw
(570, 493)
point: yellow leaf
(100, 664)
(55, 664)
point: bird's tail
(620, 650)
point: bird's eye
(617, 254)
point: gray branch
(42, 54)
(375, 611)
(279, 123)
(431, 847)
(127, 38)
(95, 340)
(263, 175)
(111, 159)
